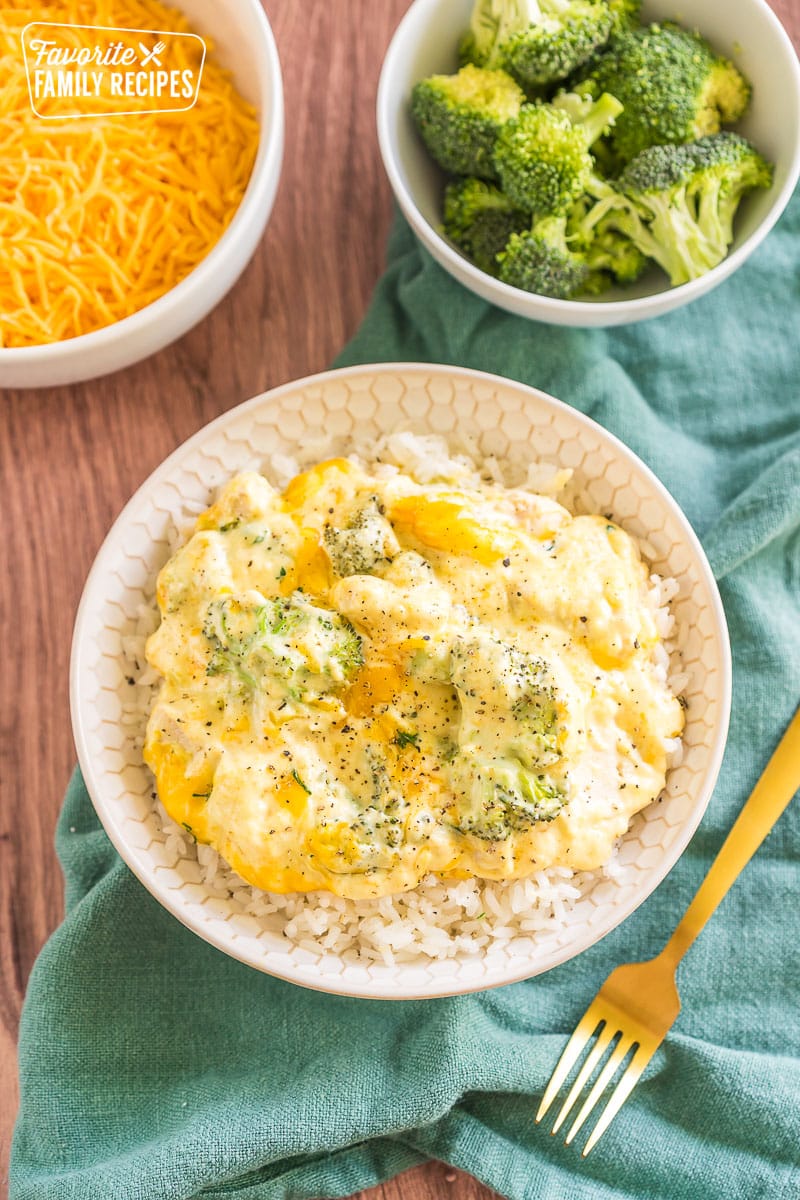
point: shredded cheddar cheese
(101, 215)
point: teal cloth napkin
(153, 1066)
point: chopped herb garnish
(189, 830)
(281, 574)
(230, 525)
(200, 796)
(402, 739)
(297, 779)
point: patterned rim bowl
(506, 420)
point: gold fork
(639, 1002)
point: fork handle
(771, 795)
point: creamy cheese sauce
(367, 679)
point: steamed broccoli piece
(480, 220)
(537, 41)
(541, 261)
(727, 167)
(610, 255)
(459, 117)
(672, 86)
(624, 14)
(677, 203)
(615, 256)
(542, 156)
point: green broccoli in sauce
(286, 644)
(500, 796)
(363, 543)
(507, 740)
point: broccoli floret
(595, 113)
(542, 156)
(367, 541)
(284, 645)
(541, 261)
(610, 255)
(459, 117)
(480, 220)
(491, 675)
(727, 167)
(577, 103)
(624, 14)
(508, 739)
(499, 796)
(346, 652)
(672, 86)
(615, 255)
(537, 41)
(677, 203)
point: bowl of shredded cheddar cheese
(140, 152)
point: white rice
(436, 920)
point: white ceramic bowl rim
(258, 196)
(643, 306)
(85, 630)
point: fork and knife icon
(151, 56)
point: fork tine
(581, 1034)
(601, 1083)
(604, 1039)
(620, 1094)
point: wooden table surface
(71, 457)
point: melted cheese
(367, 679)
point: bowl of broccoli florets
(590, 162)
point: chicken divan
(368, 679)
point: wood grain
(70, 457)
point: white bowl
(505, 418)
(746, 31)
(243, 43)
